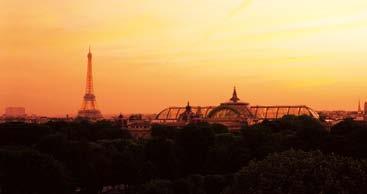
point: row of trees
(61, 157)
(289, 172)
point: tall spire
(188, 107)
(89, 55)
(359, 106)
(234, 98)
(89, 83)
(89, 108)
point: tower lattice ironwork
(89, 107)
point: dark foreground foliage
(84, 157)
(299, 172)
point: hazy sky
(150, 54)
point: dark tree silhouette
(299, 172)
(27, 171)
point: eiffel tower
(89, 108)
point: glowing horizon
(148, 55)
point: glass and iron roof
(173, 113)
(235, 110)
(258, 112)
(276, 112)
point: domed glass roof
(172, 114)
(235, 110)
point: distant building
(232, 114)
(365, 111)
(359, 116)
(15, 113)
(188, 116)
(138, 126)
(89, 108)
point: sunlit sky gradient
(150, 54)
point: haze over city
(183, 97)
(148, 55)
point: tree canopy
(199, 158)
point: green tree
(163, 131)
(349, 138)
(161, 152)
(299, 172)
(22, 133)
(193, 142)
(215, 184)
(55, 145)
(157, 187)
(28, 171)
(226, 155)
(299, 132)
(219, 128)
(259, 141)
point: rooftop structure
(233, 113)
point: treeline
(289, 155)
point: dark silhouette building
(233, 113)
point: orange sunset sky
(150, 54)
